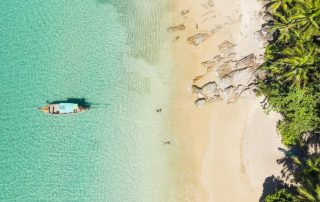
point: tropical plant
(292, 88)
(299, 109)
(309, 195)
(306, 17)
(292, 62)
(295, 64)
(293, 19)
(282, 195)
(298, 64)
(308, 176)
(274, 5)
(281, 27)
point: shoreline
(220, 132)
(243, 163)
(191, 123)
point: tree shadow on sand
(312, 141)
(271, 184)
(290, 169)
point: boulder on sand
(234, 77)
(200, 102)
(199, 38)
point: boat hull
(63, 108)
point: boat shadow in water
(80, 101)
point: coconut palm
(286, 28)
(276, 5)
(294, 18)
(306, 17)
(297, 63)
(308, 176)
(309, 193)
(280, 24)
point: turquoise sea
(113, 53)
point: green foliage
(298, 63)
(299, 109)
(294, 19)
(292, 64)
(282, 195)
(308, 176)
(309, 193)
(292, 87)
(300, 115)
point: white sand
(242, 151)
(231, 148)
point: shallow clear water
(113, 53)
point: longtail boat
(63, 108)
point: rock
(210, 3)
(232, 55)
(200, 102)
(176, 28)
(234, 79)
(176, 38)
(207, 93)
(184, 12)
(199, 38)
(198, 78)
(195, 89)
(225, 46)
(208, 65)
(218, 58)
(224, 70)
(226, 93)
(225, 83)
(262, 75)
(209, 90)
(246, 62)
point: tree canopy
(292, 62)
(282, 195)
(292, 88)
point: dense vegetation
(292, 65)
(292, 88)
(280, 196)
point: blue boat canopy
(67, 107)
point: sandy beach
(231, 148)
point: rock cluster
(207, 93)
(233, 77)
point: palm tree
(297, 63)
(308, 176)
(306, 17)
(276, 5)
(309, 193)
(280, 12)
(294, 18)
(286, 29)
